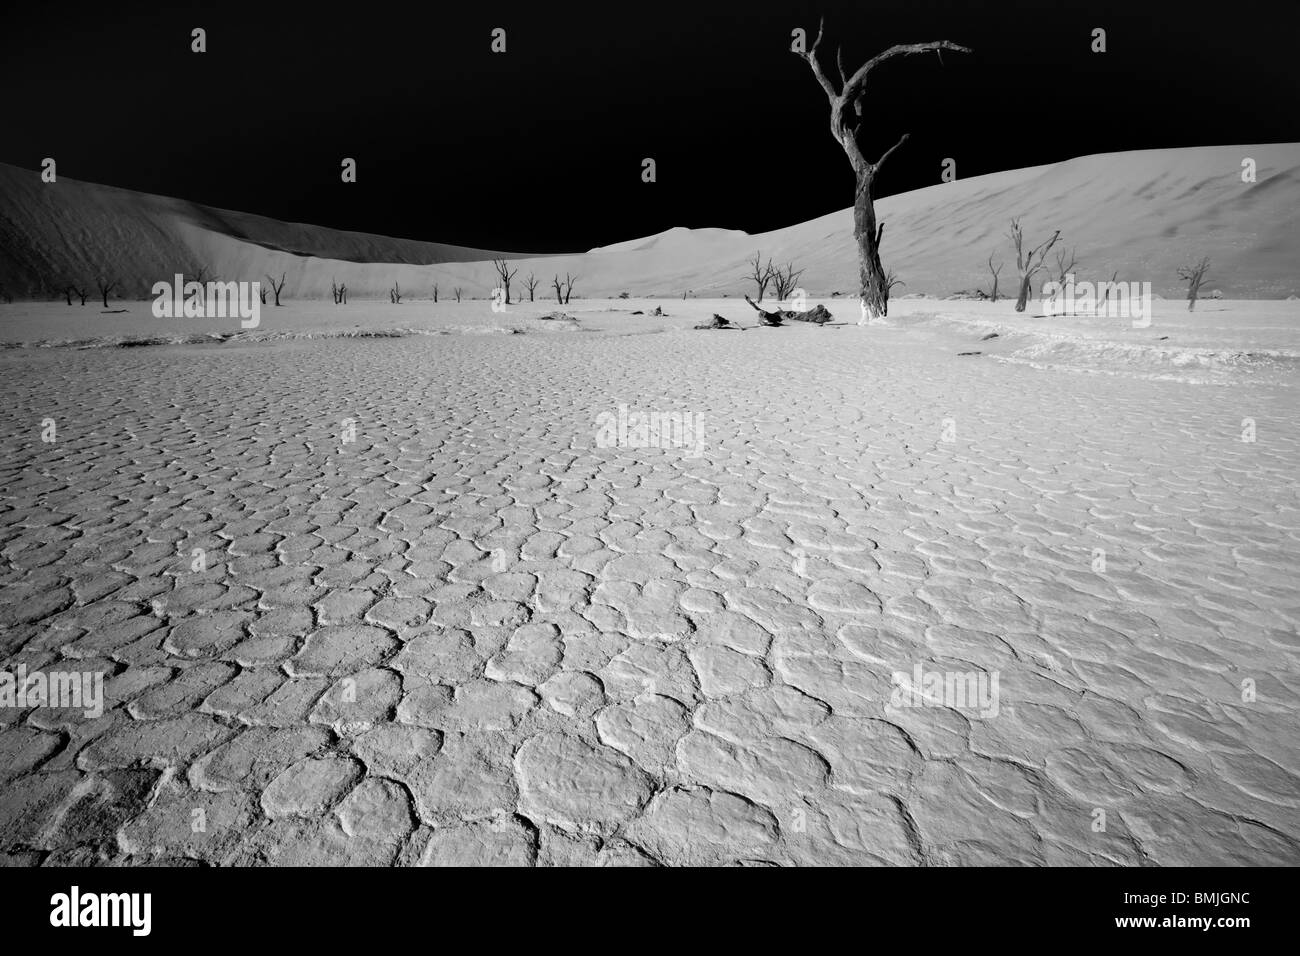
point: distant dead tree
(1028, 263)
(68, 294)
(846, 105)
(1108, 286)
(343, 293)
(278, 287)
(1064, 271)
(759, 274)
(892, 280)
(531, 285)
(435, 292)
(505, 274)
(334, 290)
(395, 294)
(106, 286)
(784, 281)
(559, 290)
(261, 294)
(569, 280)
(458, 292)
(1194, 276)
(993, 296)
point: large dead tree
(759, 274)
(277, 287)
(1028, 263)
(505, 274)
(846, 103)
(1194, 276)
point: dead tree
(993, 297)
(277, 288)
(568, 286)
(846, 105)
(343, 293)
(1030, 263)
(395, 294)
(261, 294)
(106, 286)
(1194, 276)
(68, 294)
(457, 292)
(1101, 303)
(505, 274)
(531, 285)
(784, 281)
(559, 290)
(334, 290)
(892, 280)
(759, 274)
(435, 292)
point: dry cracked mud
(472, 636)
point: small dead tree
(1109, 287)
(1194, 276)
(435, 292)
(846, 106)
(261, 294)
(892, 280)
(504, 274)
(68, 294)
(334, 290)
(106, 285)
(278, 287)
(784, 281)
(343, 294)
(568, 286)
(458, 292)
(395, 294)
(559, 289)
(531, 285)
(1027, 264)
(759, 274)
(993, 296)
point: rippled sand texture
(473, 636)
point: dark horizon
(709, 91)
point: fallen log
(817, 316)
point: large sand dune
(1139, 213)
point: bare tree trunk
(1023, 299)
(871, 274)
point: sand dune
(1139, 213)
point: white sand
(474, 635)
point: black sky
(540, 149)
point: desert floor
(387, 600)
